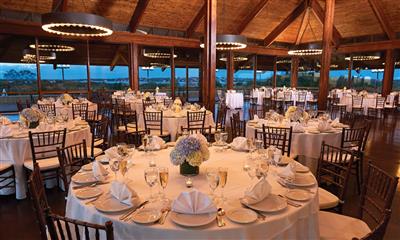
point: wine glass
(151, 177)
(114, 166)
(217, 137)
(213, 180)
(123, 167)
(223, 177)
(224, 137)
(259, 145)
(249, 167)
(163, 177)
(145, 142)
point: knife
(127, 214)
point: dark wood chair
(70, 229)
(288, 100)
(71, 158)
(99, 142)
(148, 102)
(374, 213)
(80, 110)
(357, 104)
(7, 176)
(275, 135)
(131, 128)
(48, 109)
(44, 152)
(39, 199)
(168, 102)
(153, 122)
(221, 118)
(337, 108)
(255, 111)
(333, 173)
(196, 119)
(238, 127)
(20, 107)
(348, 118)
(379, 108)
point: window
(16, 78)
(63, 77)
(308, 79)
(367, 79)
(338, 78)
(396, 79)
(282, 78)
(265, 72)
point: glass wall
(338, 79)
(367, 79)
(265, 71)
(244, 73)
(396, 77)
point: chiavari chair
(378, 109)
(221, 118)
(79, 110)
(274, 135)
(99, 137)
(301, 99)
(255, 111)
(131, 128)
(168, 102)
(7, 176)
(153, 122)
(336, 106)
(148, 102)
(357, 104)
(288, 99)
(48, 109)
(238, 127)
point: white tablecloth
(234, 100)
(18, 150)
(368, 101)
(91, 107)
(291, 223)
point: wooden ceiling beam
(59, 5)
(319, 13)
(303, 26)
(196, 21)
(253, 14)
(285, 23)
(369, 46)
(137, 15)
(383, 21)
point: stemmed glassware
(151, 177)
(223, 177)
(249, 167)
(114, 166)
(213, 180)
(163, 177)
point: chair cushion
(130, 129)
(326, 199)
(96, 151)
(4, 166)
(336, 226)
(44, 164)
(98, 142)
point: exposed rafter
(380, 15)
(196, 21)
(137, 14)
(303, 26)
(285, 23)
(319, 13)
(59, 5)
(369, 46)
(254, 12)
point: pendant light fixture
(157, 54)
(53, 47)
(235, 59)
(43, 56)
(363, 57)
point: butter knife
(163, 217)
(127, 214)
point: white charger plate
(192, 220)
(302, 180)
(273, 203)
(146, 216)
(301, 168)
(89, 192)
(110, 204)
(298, 195)
(84, 178)
(242, 215)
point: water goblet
(213, 180)
(151, 178)
(249, 167)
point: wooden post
(172, 60)
(389, 73)
(274, 76)
(39, 79)
(134, 66)
(209, 64)
(187, 83)
(230, 69)
(326, 53)
(349, 79)
(254, 71)
(294, 72)
(89, 82)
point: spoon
(220, 220)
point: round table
(290, 223)
(16, 150)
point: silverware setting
(88, 185)
(292, 187)
(260, 216)
(127, 216)
(220, 220)
(164, 214)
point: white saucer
(146, 216)
(301, 168)
(89, 192)
(302, 180)
(84, 178)
(273, 203)
(192, 220)
(298, 195)
(242, 215)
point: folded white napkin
(4, 120)
(99, 172)
(5, 131)
(240, 143)
(297, 127)
(112, 152)
(156, 143)
(286, 172)
(202, 109)
(193, 202)
(336, 123)
(257, 192)
(324, 126)
(277, 155)
(58, 103)
(124, 193)
(256, 118)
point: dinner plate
(298, 195)
(84, 178)
(146, 216)
(89, 192)
(239, 150)
(103, 159)
(285, 160)
(110, 204)
(242, 215)
(192, 220)
(141, 148)
(272, 203)
(301, 168)
(87, 167)
(302, 180)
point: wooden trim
(326, 54)
(303, 26)
(38, 76)
(59, 5)
(89, 82)
(319, 13)
(172, 61)
(275, 66)
(230, 67)
(294, 71)
(253, 14)
(137, 14)
(388, 73)
(134, 66)
(369, 46)
(254, 71)
(383, 21)
(196, 21)
(268, 40)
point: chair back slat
(196, 119)
(148, 102)
(44, 144)
(302, 96)
(221, 117)
(168, 102)
(238, 127)
(80, 110)
(153, 121)
(380, 102)
(48, 109)
(357, 101)
(352, 138)
(275, 135)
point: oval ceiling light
(363, 58)
(157, 54)
(53, 47)
(307, 50)
(30, 54)
(76, 24)
(229, 42)
(235, 59)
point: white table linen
(17, 150)
(291, 223)
(234, 100)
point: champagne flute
(151, 177)
(223, 177)
(213, 180)
(163, 177)
(123, 167)
(249, 167)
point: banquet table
(234, 100)
(289, 223)
(368, 101)
(16, 150)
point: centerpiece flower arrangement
(363, 93)
(30, 117)
(189, 153)
(177, 105)
(65, 99)
(147, 95)
(296, 114)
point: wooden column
(275, 67)
(172, 61)
(89, 82)
(187, 83)
(254, 71)
(209, 64)
(38, 76)
(230, 69)
(326, 53)
(134, 66)
(294, 72)
(389, 73)
(350, 68)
